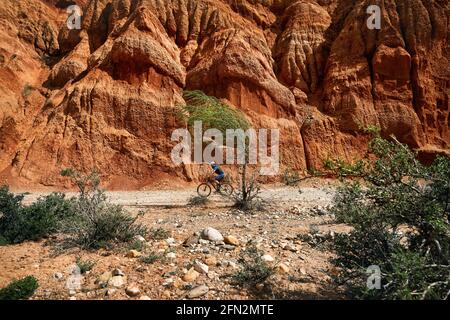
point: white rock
(170, 241)
(139, 238)
(267, 258)
(171, 255)
(212, 234)
(117, 281)
(168, 282)
(201, 267)
(198, 291)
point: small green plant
(345, 169)
(84, 265)
(137, 245)
(313, 172)
(159, 234)
(19, 289)
(151, 258)
(290, 177)
(372, 130)
(97, 223)
(254, 269)
(27, 90)
(198, 201)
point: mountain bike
(204, 189)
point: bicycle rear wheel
(204, 190)
(226, 189)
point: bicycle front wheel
(204, 190)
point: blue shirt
(217, 169)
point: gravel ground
(279, 195)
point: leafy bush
(19, 289)
(247, 196)
(96, 223)
(254, 269)
(19, 223)
(84, 265)
(400, 220)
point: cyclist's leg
(218, 179)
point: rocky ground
(197, 254)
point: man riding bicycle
(219, 173)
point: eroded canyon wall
(104, 96)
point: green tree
(214, 113)
(399, 212)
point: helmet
(212, 163)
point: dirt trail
(278, 195)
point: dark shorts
(219, 177)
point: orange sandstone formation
(103, 96)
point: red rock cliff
(103, 96)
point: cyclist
(219, 173)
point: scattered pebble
(267, 258)
(133, 254)
(198, 292)
(191, 275)
(231, 240)
(117, 281)
(132, 291)
(201, 267)
(171, 255)
(212, 234)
